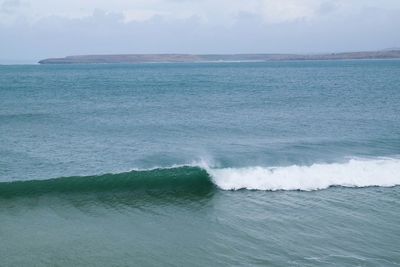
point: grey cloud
(9, 6)
(327, 7)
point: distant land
(191, 58)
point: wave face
(354, 173)
(175, 181)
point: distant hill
(171, 58)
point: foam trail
(354, 173)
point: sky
(31, 30)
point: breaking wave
(201, 179)
(354, 173)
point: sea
(292, 163)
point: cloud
(288, 10)
(327, 7)
(221, 12)
(9, 6)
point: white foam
(354, 173)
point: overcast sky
(34, 29)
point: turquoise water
(217, 164)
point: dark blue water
(151, 157)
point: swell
(179, 180)
(192, 180)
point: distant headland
(192, 58)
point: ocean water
(212, 164)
